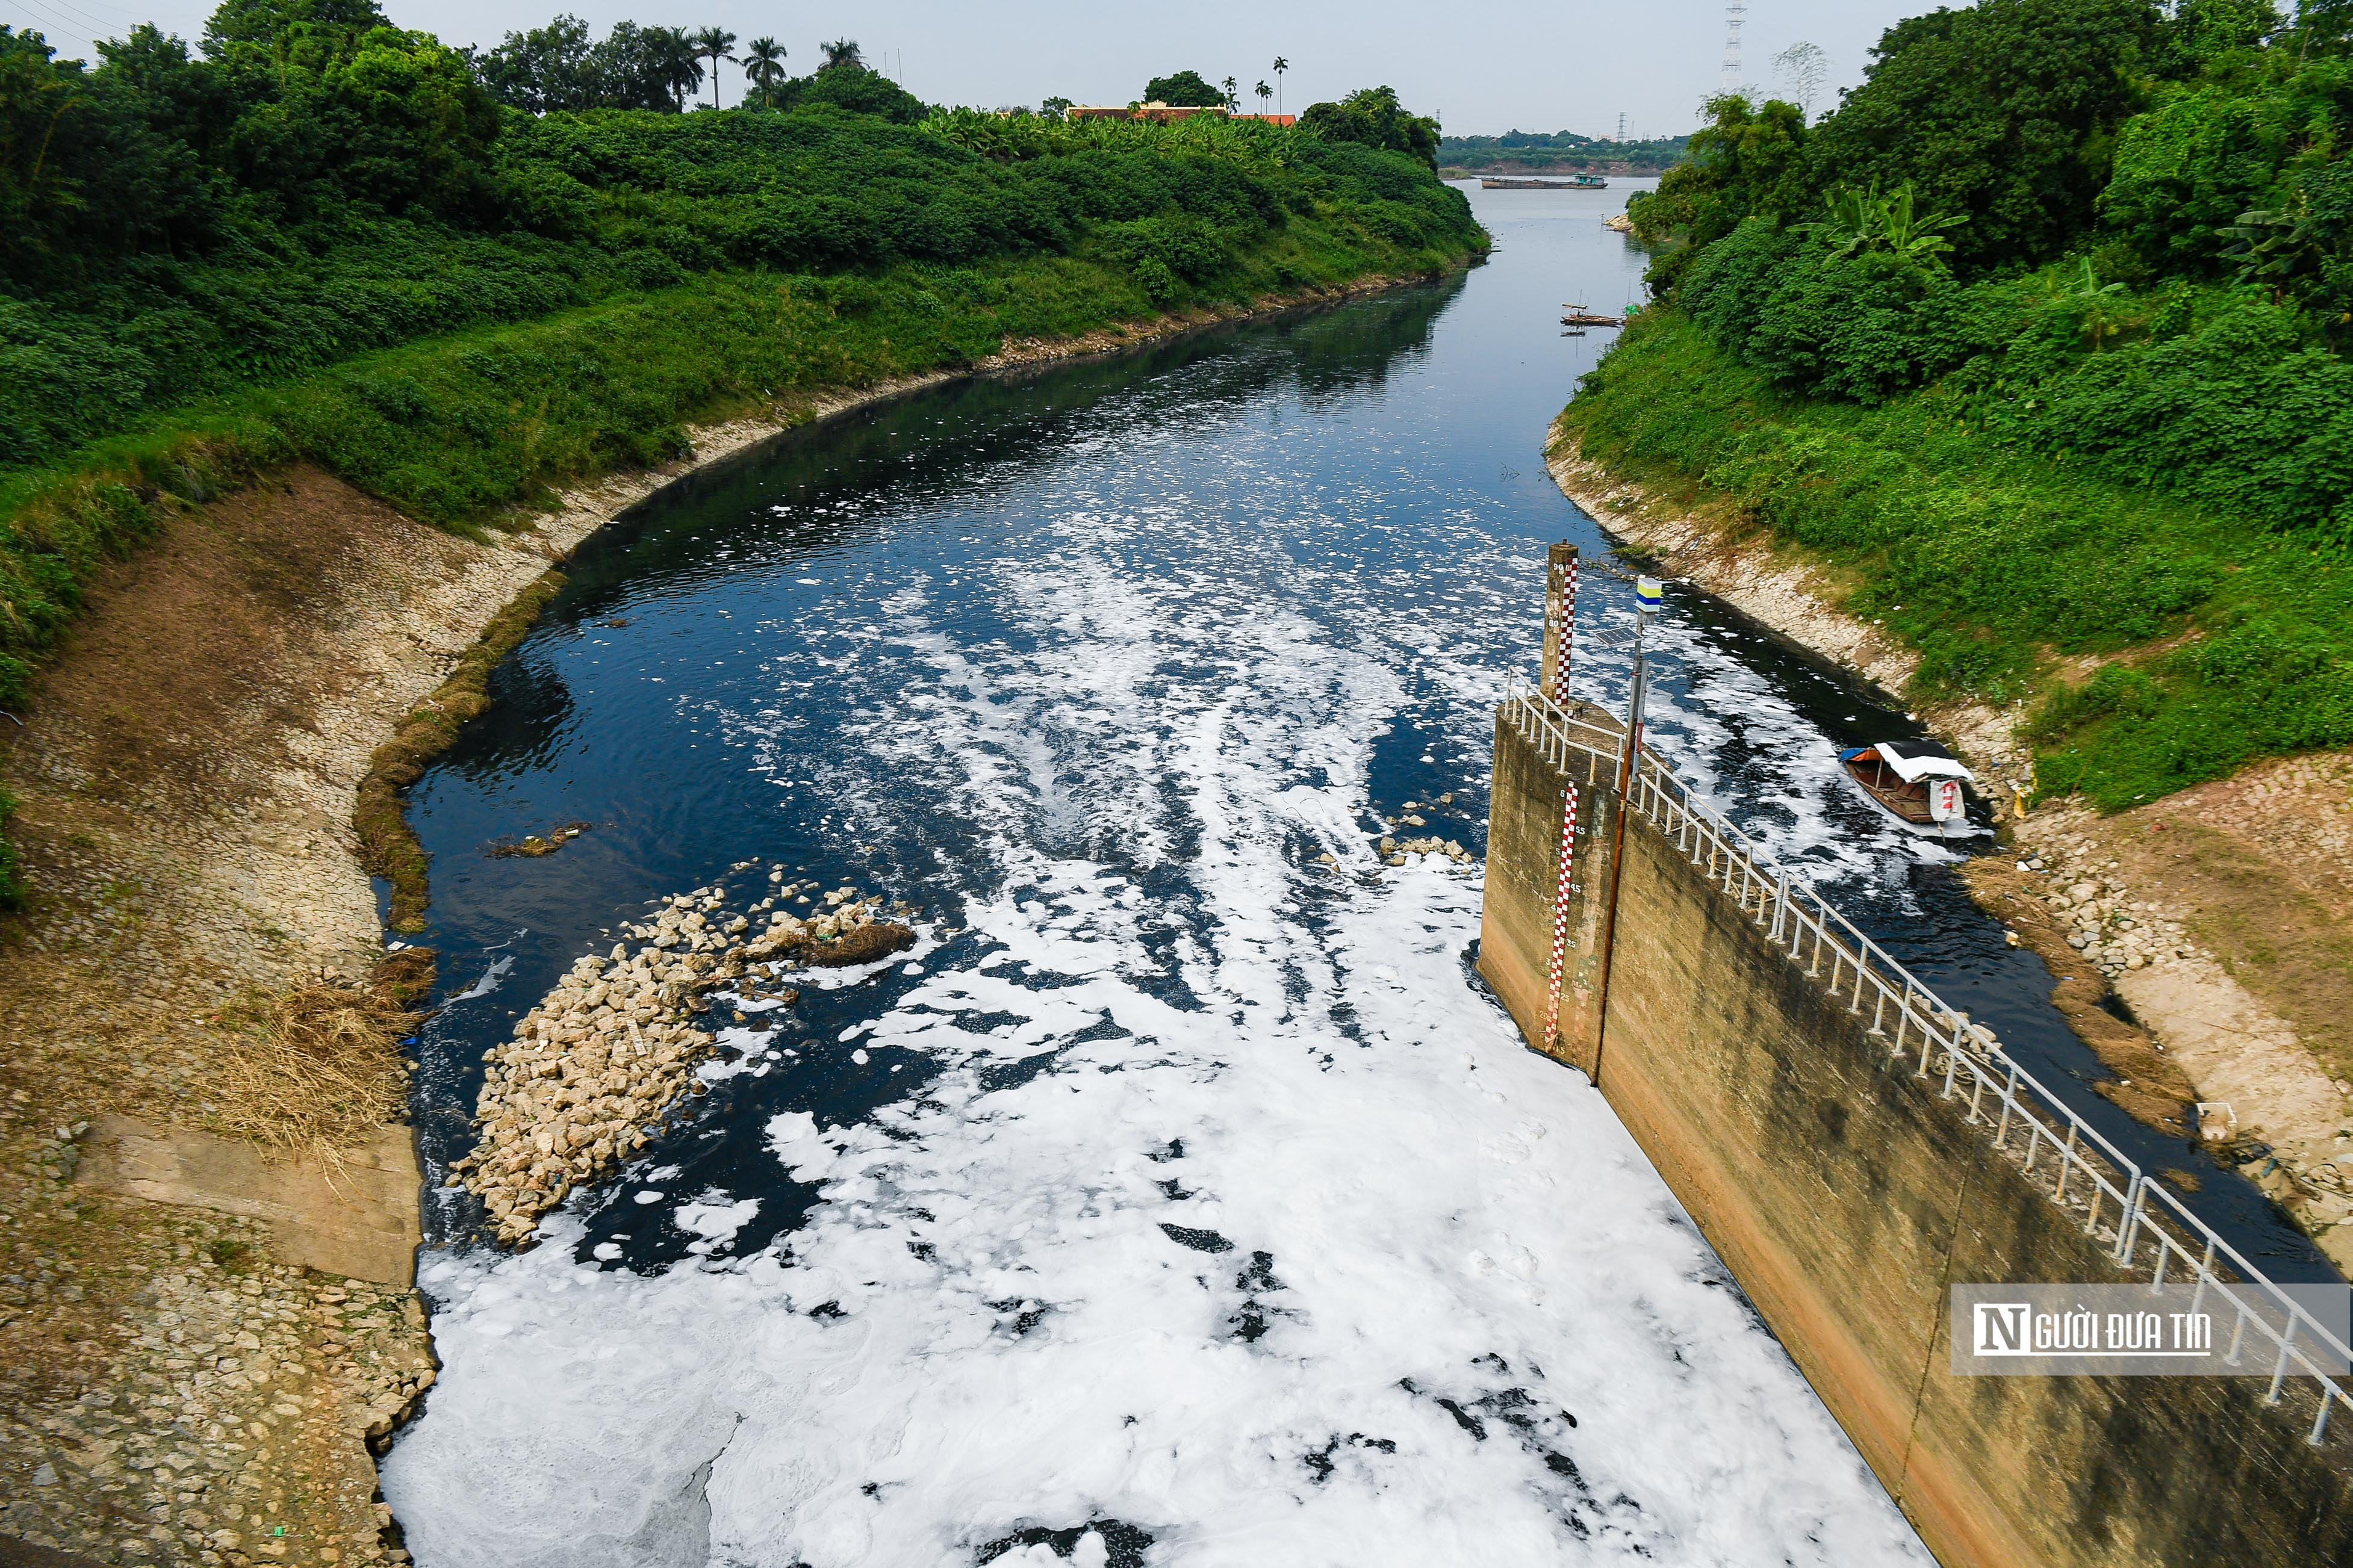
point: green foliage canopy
(2119, 423)
(1184, 89)
(2005, 112)
(1372, 117)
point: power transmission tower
(1734, 15)
(1622, 125)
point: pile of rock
(1394, 850)
(607, 1052)
(2114, 930)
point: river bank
(187, 773)
(2218, 918)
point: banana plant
(1870, 219)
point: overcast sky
(1484, 66)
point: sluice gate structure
(1852, 1147)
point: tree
(1264, 92)
(1280, 65)
(1806, 67)
(543, 69)
(854, 88)
(713, 43)
(1187, 89)
(764, 65)
(270, 27)
(645, 67)
(556, 67)
(1232, 103)
(1054, 108)
(1374, 117)
(2007, 112)
(841, 52)
(1749, 159)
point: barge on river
(1574, 183)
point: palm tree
(1280, 65)
(1232, 103)
(841, 52)
(764, 63)
(714, 42)
(676, 61)
(1264, 92)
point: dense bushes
(1372, 117)
(325, 240)
(264, 274)
(2040, 334)
(1986, 555)
(1998, 111)
(2188, 343)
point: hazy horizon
(1485, 70)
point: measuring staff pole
(1648, 594)
(1560, 631)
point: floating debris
(532, 844)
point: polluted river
(1087, 1143)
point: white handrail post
(2128, 1222)
(2279, 1371)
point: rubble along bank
(189, 770)
(2085, 919)
(611, 1048)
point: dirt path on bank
(2222, 917)
(197, 1004)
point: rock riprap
(612, 1049)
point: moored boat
(1918, 782)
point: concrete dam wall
(1852, 1149)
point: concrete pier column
(1560, 615)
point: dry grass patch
(321, 1066)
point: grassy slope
(2220, 642)
(454, 429)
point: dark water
(1090, 666)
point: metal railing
(2076, 1166)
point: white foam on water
(1304, 1259)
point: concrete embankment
(1847, 1192)
(187, 772)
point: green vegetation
(1183, 90)
(1562, 151)
(12, 883)
(1372, 117)
(2040, 335)
(329, 240)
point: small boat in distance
(1579, 316)
(1918, 781)
(1574, 183)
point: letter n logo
(2001, 1329)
